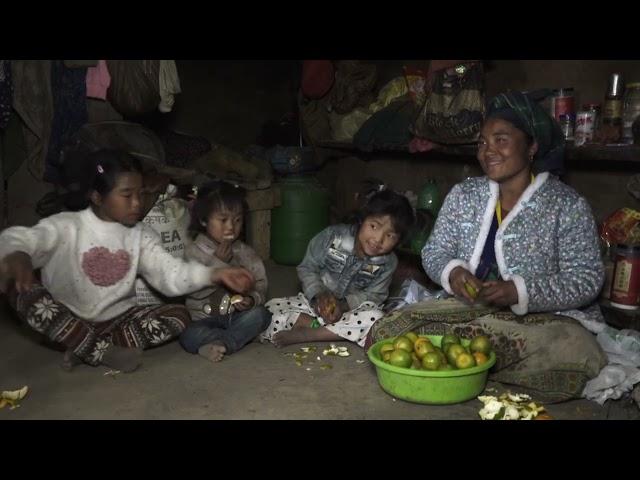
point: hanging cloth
(33, 102)
(98, 80)
(169, 84)
(69, 90)
(80, 63)
(6, 92)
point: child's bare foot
(213, 351)
(304, 334)
(124, 359)
(69, 361)
(296, 335)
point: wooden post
(4, 208)
(259, 232)
(258, 225)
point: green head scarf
(527, 115)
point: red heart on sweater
(105, 268)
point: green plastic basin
(423, 386)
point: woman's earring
(204, 224)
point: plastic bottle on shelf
(563, 110)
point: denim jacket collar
(345, 243)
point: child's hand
(224, 252)
(337, 313)
(500, 293)
(237, 279)
(464, 284)
(328, 308)
(18, 266)
(246, 303)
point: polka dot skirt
(353, 325)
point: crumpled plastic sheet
(612, 383)
(623, 352)
(412, 292)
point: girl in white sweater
(89, 261)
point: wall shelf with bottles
(589, 152)
(605, 153)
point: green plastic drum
(429, 198)
(423, 386)
(304, 212)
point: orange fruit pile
(417, 352)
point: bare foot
(213, 351)
(125, 359)
(302, 335)
(296, 335)
(69, 361)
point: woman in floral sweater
(521, 241)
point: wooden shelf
(460, 150)
(604, 153)
(350, 147)
(591, 153)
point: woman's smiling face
(504, 150)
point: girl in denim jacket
(345, 276)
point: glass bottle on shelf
(612, 110)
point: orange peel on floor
(12, 397)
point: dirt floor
(259, 382)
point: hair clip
(381, 187)
(100, 169)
